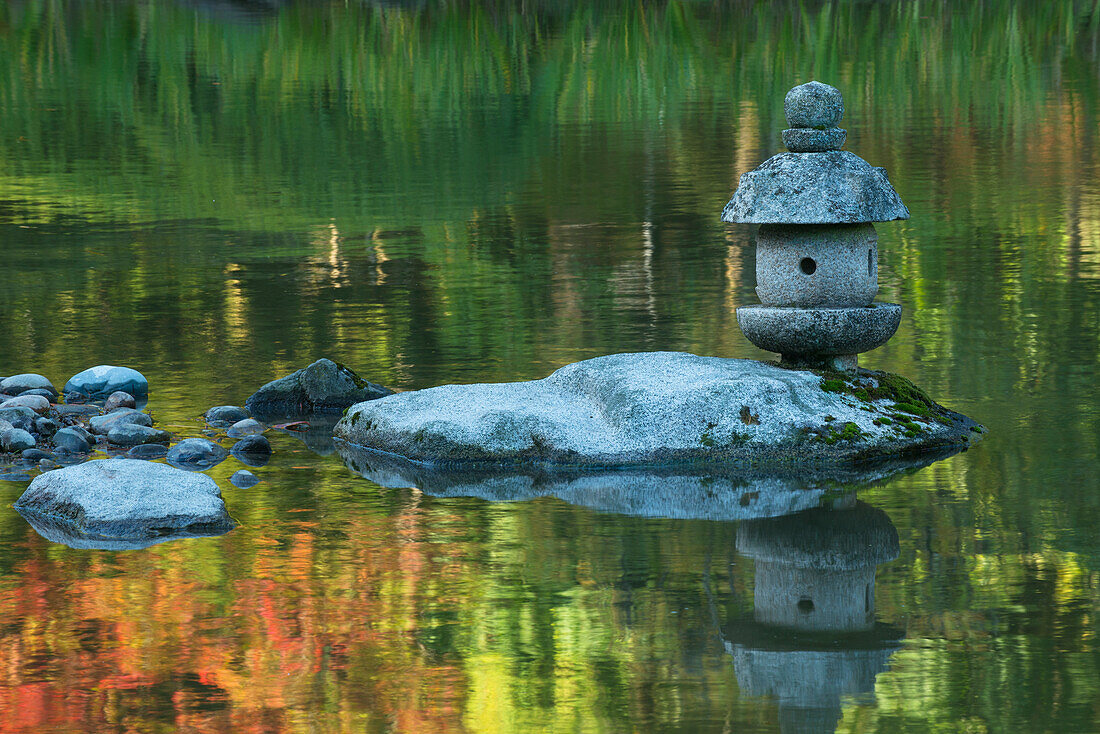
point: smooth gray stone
(244, 479)
(196, 454)
(802, 140)
(711, 493)
(322, 387)
(47, 464)
(37, 403)
(19, 416)
(5, 426)
(119, 399)
(45, 426)
(836, 187)
(798, 333)
(133, 434)
(246, 427)
(148, 451)
(817, 264)
(118, 500)
(48, 394)
(36, 455)
(71, 440)
(102, 424)
(16, 439)
(813, 104)
(255, 445)
(653, 409)
(18, 384)
(102, 380)
(78, 410)
(229, 413)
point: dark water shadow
(711, 492)
(60, 531)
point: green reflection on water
(474, 192)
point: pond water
(218, 193)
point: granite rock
(244, 479)
(228, 413)
(134, 434)
(102, 424)
(813, 105)
(803, 333)
(148, 451)
(246, 427)
(656, 408)
(122, 500)
(18, 384)
(72, 440)
(19, 416)
(196, 454)
(836, 187)
(16, 440)
(37, 403)
(119, 399)
(322, 387)
(802, 140)
(102, 380)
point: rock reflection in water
(706, 492)
(813, 638)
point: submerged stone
(654, 408)
(125, 502)
(196, 454)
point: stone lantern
(816, 250)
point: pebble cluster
(99, 411)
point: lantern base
(829, 338)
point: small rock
(102, 424)
(244, 479)
(5, 426)
(37, 403)
(19, 384)
(79, 411)
(247, 427)
(104, 379)
(47, 464)
(132, 434)
(72, 440)
(196, 454)
(45, 426)
(323, 387)
(17, 439)
(19, 416)
(35, 455)
(813, 105)
(119, 399)
(252, 450)
(48, 394)
(148, 451)
(209, 433)
(229, 413)
(75, 398)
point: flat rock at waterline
(660, 408)
(123, 503)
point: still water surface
(218, 193)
